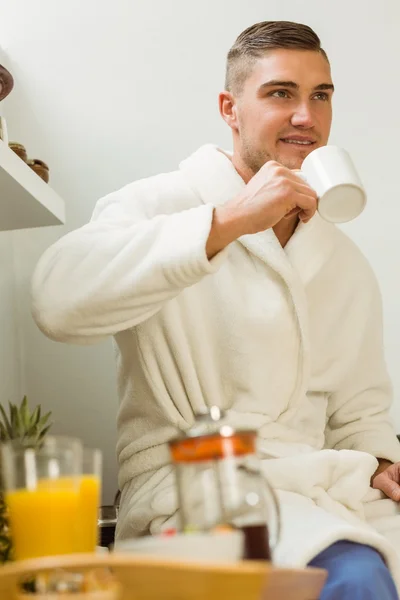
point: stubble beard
(254, 158)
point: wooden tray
(145, 578)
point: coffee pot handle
(275, 527)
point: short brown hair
(255, 41)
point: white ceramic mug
(330, 171)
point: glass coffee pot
(219, 483)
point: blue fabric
(355, 572)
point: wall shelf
(26, 201)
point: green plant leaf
(35, 417)
(12, 409)
(44, 419)
(15, 421)
(6, 422)
(24, 413)
(44, 431)
(3, 433)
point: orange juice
(43, 520)
(89, 499)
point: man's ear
(228, 109)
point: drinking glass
(89, 500)
(42, 492)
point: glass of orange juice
(42, 492)
(89, 500)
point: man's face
(284, 111)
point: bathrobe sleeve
(358, 411)
(134, 256)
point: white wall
(110, 92)
(12, 381)
(11, 375)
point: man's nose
(303, 116)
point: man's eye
(321, 96)
(280, 94)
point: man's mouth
(299, 141)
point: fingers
(305, 214)
(307, 205)
(276, 189)
(387, 486)
(304, 197)
(291, 213)
(300, 185)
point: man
(222, 285)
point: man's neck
(244, 171)
(285, 229)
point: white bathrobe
(289, 341)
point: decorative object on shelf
(38, 204)
(19, 150)
(6, 82)
(3, 130)
(40, 168)
(28, 427)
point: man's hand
(274, 193)
(387, 479)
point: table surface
(145, 578)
